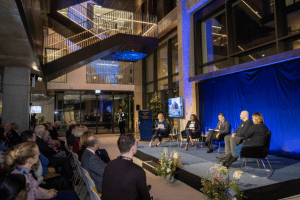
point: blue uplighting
(129, 56)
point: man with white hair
(61, 164)
(231, 141)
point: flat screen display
(36, 109)
(175, 107)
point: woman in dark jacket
(192, 128)
(161, 128)
(256, 135)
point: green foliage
(124, 106)
(217, 184)
(156, 106)
(41, 119)
(168, 164)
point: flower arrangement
(218, 186)
(168, 164)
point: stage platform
(257, 183)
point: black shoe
(209, 151)
(232, 160)
(149, 187)
(219, 160)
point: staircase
(79, 36)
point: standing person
(33, 121)
(121, 121)
(223, 128)
(192, 128)
(231, 141)
(161, 128)
(20, 161)
(123, 179)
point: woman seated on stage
(161, 128)
(255, 136)
(191, 128)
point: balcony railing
(92, 28)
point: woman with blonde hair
(20, 161)
(82, 142)
(161, 128)
(256, 135)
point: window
(174, 55)
(61, 79)
(214, 37)
(109, 72)
(149, 68)
(162, 62)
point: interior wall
(47, 110)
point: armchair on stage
(258, 152)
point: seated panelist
(192, 128)
(161, 128)
(222, 129)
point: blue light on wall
(129, 56)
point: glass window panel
(175, 55)
(150, 88)
(293, 22)
(61, 79)
(175, 81)
(253, 23)
(215, 38)
(109, 72)
(162, 62)
(291, 44)
(163, 84)
(256, 54)
(149, 68)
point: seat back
(260, 152)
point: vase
(170, 180)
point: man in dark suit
(15, 132)
(121, 121)
(92, 162)
(222, 129)
(61, 164)
(231, 141)
(122, 178)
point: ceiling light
(94, 77)
(263, 55)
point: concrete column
(138, 90)
(16, 96)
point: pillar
(16, 96)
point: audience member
(256, 135)
(69, 130)
(79, 130)
(4, 142)
(93, 163)
(20, 161)
(15, 132)
(13, 187)
(161, 128)
(61, 164)
(54, 133)
(192, 128)
(122, 178)
(9, 136)
(71, 137)
(223, 128)
(231, 141)
(102, 153)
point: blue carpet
(198, 162)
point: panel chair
(195, 135)
(220, 139)
(258, 152)
(165, 137)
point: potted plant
(218, 186)
(168, 164)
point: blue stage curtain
(274, 91)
